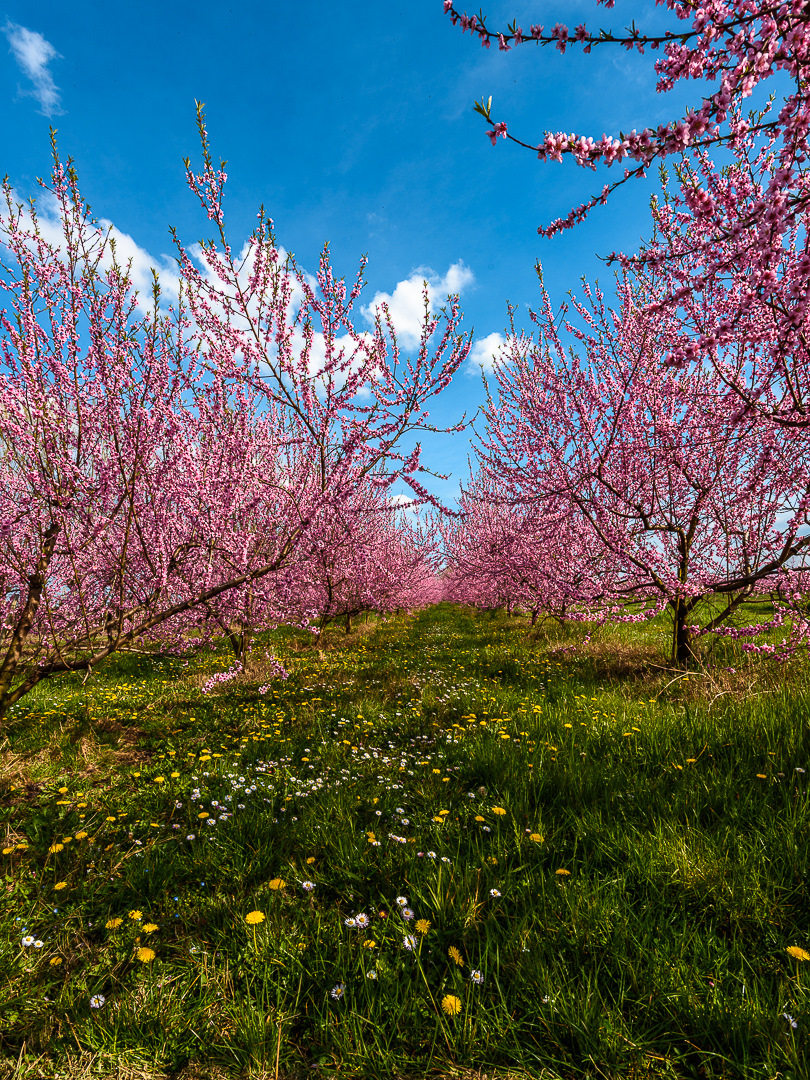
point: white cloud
(406, 304)
(33, 54)
(485, 352)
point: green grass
(620, 852)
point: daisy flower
(362, 920)
(97, 1001)
(476, 977)
(338, 991)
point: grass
(572, 862)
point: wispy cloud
(33, 55)
(485, 352)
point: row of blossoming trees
(663, 462)
(222, 465)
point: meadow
(445, 846)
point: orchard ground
(445, 846)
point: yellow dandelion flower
(438, 819)
(63, 790)
(369, 944)
(60, 885)
(113, 924)
(499, 810)
(276, 884)
(310, 860)
(761, 776)
(136, 916)
(8, 850)
(479, 818)
(800, 954)
(149, 928)
(175, 775)
(56, 847)
(563, 873)
(451, 1005)
(422, 926)
(455, 956)
(536, 837)
(55, 961)
(145, 955)
(253, 918)
(81, 835)
(204, 814)
(160, 779)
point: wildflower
(146, 956)
(60, 885)
(362, 920)
(486, 828)
(276, 884)
(307, 886)
(56, 847)
(790, 1020)
(254, 917)
(113, 924)
(350, 922)
(799, 954)
(479, 818)
(536, 837)
(149, 928)
(431, 854)
(499, 810)
(38, 944)
(409, 941)
(476, 977)
(310, 860)
(422, 926)
(371, 974)
(402, 900)
(369, 944)
(338, 991)
(191, 836)
(494, 892)
(451, 1005)
(81, 835)
(55, 961)
(27, 941)
(563, 873)
(455, 956)
(97, 1001)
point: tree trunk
(682, 653)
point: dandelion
(56, 847)
(310, 860)
(97, 1001)
(799, 954)
(338, 991)
(494, 892)
(451, 1005)
(369, 944)
(563, 873)
(136, 916)
(60, 885)
(113, 924)
(146, 956)
(149, 928)
(455, 956)
(55, 961)
(476, 977)
(479, 819)
(276, 884)
(422, 926)
(536, 837)
(499, 810)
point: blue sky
(353, 124)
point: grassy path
(436, 848)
